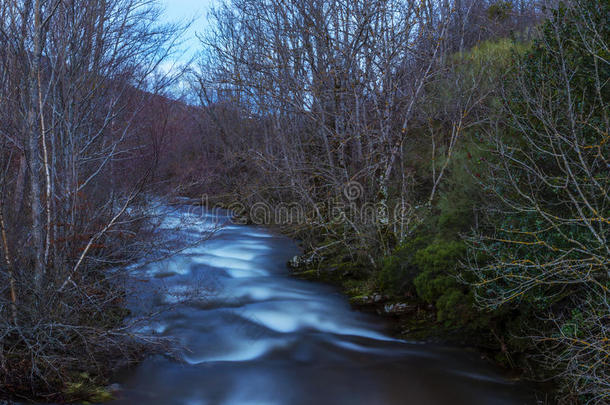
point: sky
(185, 10)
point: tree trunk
(33, 149)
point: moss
(353, 270)
(86, 389)
(311, 274)
(422, 326)
(359, 289)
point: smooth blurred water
(248, 333)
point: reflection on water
(251, 334)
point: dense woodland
(451, 157)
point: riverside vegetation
(484, 124)
(79, 86)
(448, 161)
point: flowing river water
(248, 333)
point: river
(249, 333)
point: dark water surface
(251, 334)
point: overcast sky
(185, 10)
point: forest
(445, 163)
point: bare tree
(74, 78)
(335, 85)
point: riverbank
(410, 318)
(415, 310)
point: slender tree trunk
(33, 148)
(9, 263)
(20, 183)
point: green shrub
(440, 256)
(437, 284)
(430, 287)
(398, 270)
(456, 307)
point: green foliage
(440, 257)
(428, 267)
(456, 308)
(427, 264)
(460, 194)
(563, 89)
(498, 54)
(488, 62)
(583, 45)
(547, 249)
(430, 287)
(398, 270)
(437, 283)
